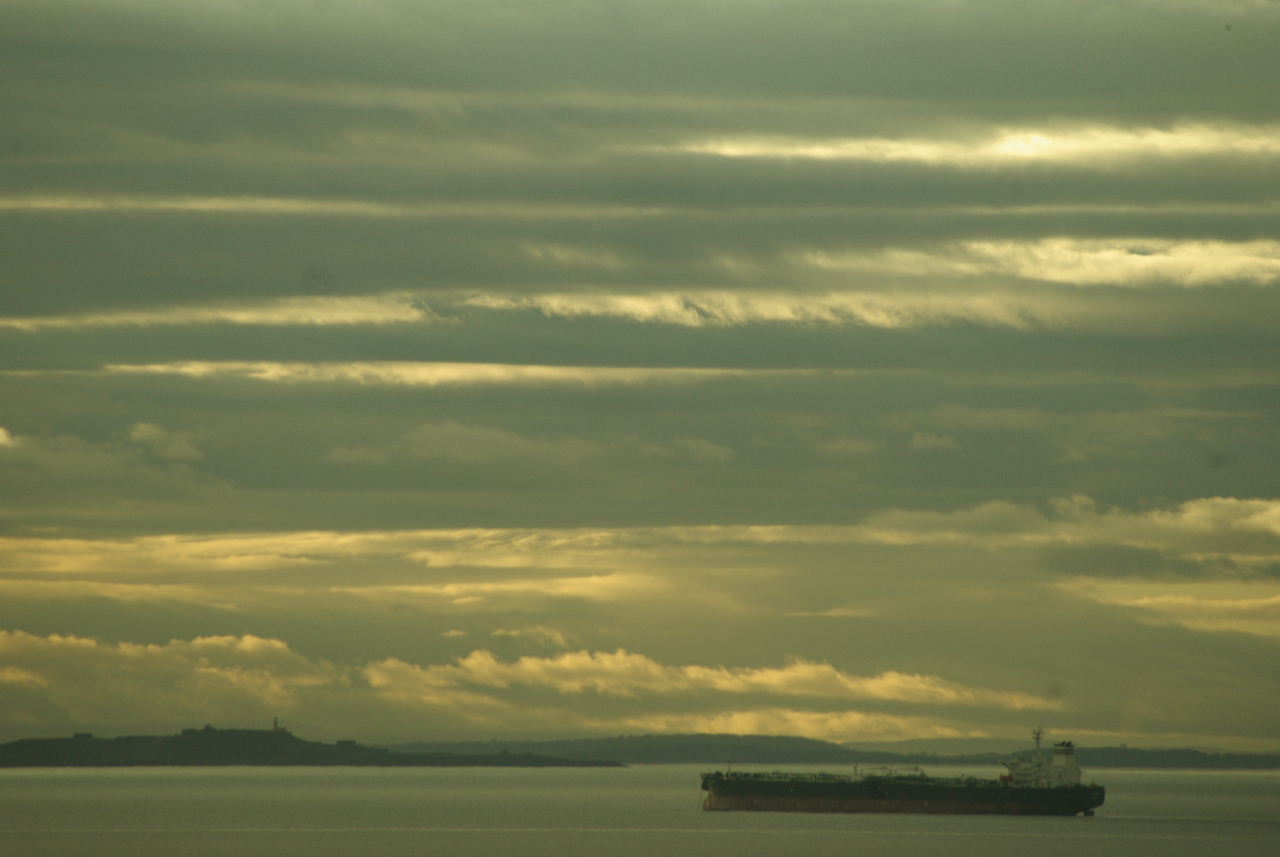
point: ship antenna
(1037, 734)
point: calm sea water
(642, 810)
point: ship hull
(972, 797)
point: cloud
(1232, 606)
(522, 594)
(226, 552)
(1192, 528)
(1135, 262)
(573, 255)
(430, 374)
(626, 674)
(79, 476)
(244, 678)
(456, 443)
(222, 678)
(1017, 285)
(1098, 147)
(751, 347)
(1241, 532)
(171, 445)
(540, 634)
(234, 552)
(302, 311)
(1115, 261)
(569, 210)
(474, 445)
(928, 440)
(821, 725)
(320, 207)
(19, 676)
(1259, 616)
(730, 308)
(851, 446)
(81, 681)
(717, 308)
(992, 283)
(84, 684)
(154, 594)
(1073, 435)
(837, 613)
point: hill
(210, 746)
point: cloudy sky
(858, 369)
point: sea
(640, 810)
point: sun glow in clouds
(1116, 261)
(318, 207)
(1242, 606)
(1133, 261)
(722, 308)
(438, 374)
(306, 311)
(627, 674)
(1244, 531)
(1081, 147)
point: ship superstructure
(1036, 769)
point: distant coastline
(211, 746)
(777, 749)
(265, 747)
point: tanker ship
(1037, 783)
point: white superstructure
(1037, 769)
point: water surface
(642, 810)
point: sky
(865, 370)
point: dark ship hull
(833, 793)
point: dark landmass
(664, 749)
(209, 746)
(774, 749)
(945, 746)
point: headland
(274, 747)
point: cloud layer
(849, 369)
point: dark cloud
(1121, 561)
(1071, 52)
